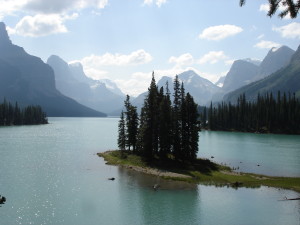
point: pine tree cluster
(266, 115)
(163, 129)
(14, 115)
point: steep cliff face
(276, 59)
(72, 81)
(241, 73)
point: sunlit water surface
(50, 174)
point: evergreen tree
(267, 114)
(183, 126)
(165, 125)
(163, 128)
(176, 119)
(149, 127)
(211, 118)
(192, 128)
(122, 133)
(131, 124)
(13, 115)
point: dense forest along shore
(11, 115)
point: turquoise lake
(50, 174)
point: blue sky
(125, 40)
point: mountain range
(29, 81)
(245, 76)
(101, 95)
(286, 79)
(63, 89)
(247, 71)
(200, 88)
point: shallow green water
(51, 175)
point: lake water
(50, 174)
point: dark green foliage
(203, 116)
(176, 119)
(191, 129)
(148, 131)
(131, 122)
(122, 134)
(165, 124)
(165, 130)
(266, 115)
(13, 115)
(292, 7)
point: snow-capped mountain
(200, 88)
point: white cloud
(45, 17)
(184, 59)
(9, 7)
(291, 30)
(138, 82)
(96, 74)
(157, 2)
(264, 8)
(141, 75)
(148, 2)
(160, 2)
(219, 32)
(267, 44)
(39, 25)
(132, 87)
(108, 59)
(213, 57)
(62, 6)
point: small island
(163, 141)
(201, 171)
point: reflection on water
(173, 203)
(136, 179)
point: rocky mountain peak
(4, 38)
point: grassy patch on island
(201, 171)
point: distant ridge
(246, 71)
(71, 80)
(29, 81)
(287, 79)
